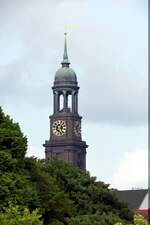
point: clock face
(77, 128)
(59, 127)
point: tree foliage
(138, 220)
(15, 185)
(18, 216)
(91, 198)
(12, 139)
(54, 201)
(64, 195)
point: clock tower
(65, 124)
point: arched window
(61, 102)
(70, 102)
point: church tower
(65, 124)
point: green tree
(15, 185)
(55, 203)
(7, 163)
(64, 195)
(12, 139)
(95, 219)
(138, 220)
(18, 189)
(89, 196)
(18, 216)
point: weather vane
(65, 34)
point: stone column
(56, 101)
(73, 101)
(65, 99)
(76, 102)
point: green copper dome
(65, 75)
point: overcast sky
(107, 48)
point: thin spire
(65, 62)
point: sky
(107, 48)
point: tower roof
(65, 62)
(65, 75)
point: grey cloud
(110, 90)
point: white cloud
(107, 53)
(35, 151)
(133, 171)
